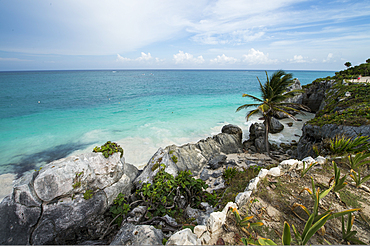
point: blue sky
(176, 34)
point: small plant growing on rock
(229, 174)
(305, 170)
(244, 222)
(119, 209)
(108, 149)
(88, 194)
(174, 159)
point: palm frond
(246, 106)
(252, 113)
(285, 112)
(253, 97)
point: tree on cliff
(272, 101)
(348, 64)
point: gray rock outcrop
(315, 135)
(314, 96)
(192, 157)
(64, 202)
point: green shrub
(108, 149)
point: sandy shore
(6, 184)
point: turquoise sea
(47, 115)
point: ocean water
(47, 115)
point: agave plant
(359, 160)
(343, 144)
(357, 178)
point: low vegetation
(347, 103)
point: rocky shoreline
(48, 207)
(67, 201)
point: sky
(183, 34)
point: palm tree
(273, 96)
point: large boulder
(275, 126)
(191, 157)
(64, 202)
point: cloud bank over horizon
(225, 34)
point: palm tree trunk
(267, 124)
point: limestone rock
(320, 160)
(275, 171)
(215, 222)
(309, 160)
(49, 206)
(130, 234)
(243, 198)
(57, 178)
(184, 237)
(290, 164)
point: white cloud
(182, 57)
(297, 59)
(224, 59)
(13, 59)
(257, 57)
(122, 59)
(143, 58)
(330, 55)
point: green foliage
(348, 64)
(244, 222)
(108, 149)
(88, 194)
(164, 241)
(174, 159)
(343, 144)
(229, 174)
(305, 170)
(347, 234)
(119, 208)
(339, 182)
(164, 193)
